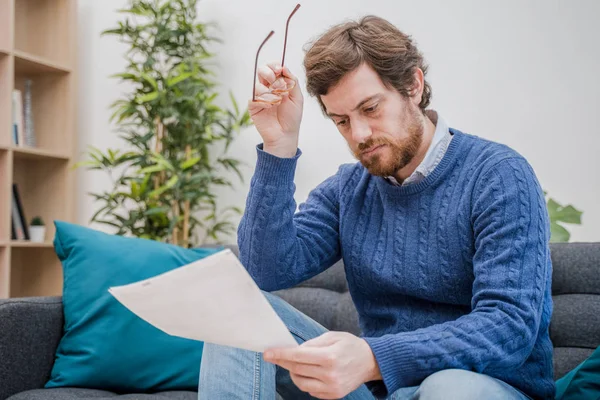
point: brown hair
(372, 40)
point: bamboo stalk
(158, 180)
(175, 208)
(186, 206)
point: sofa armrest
(30, 329)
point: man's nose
(361, 131)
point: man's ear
(416, 93)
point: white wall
(522, 73)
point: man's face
(383, 129)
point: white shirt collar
(435, 152)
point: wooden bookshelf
(37, 43)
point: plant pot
(37, 233)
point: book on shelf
(23, 133)
(19, 227)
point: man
(444, 236)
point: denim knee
(464, 385)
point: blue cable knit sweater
(452, 272)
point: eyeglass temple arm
(256, 63)
(286, 33)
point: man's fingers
(308, 370)
(263, 99)
(295, 93)
(307, 384)
(261, 88)
(255, 107)
(266, 75)
(275, 67)
(304, 355)
(287, 73)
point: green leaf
(179, 78)
(558, 233)
(152, 169)
(125, 76)
(208, 135)
(569, 215)
(146, 98)
(235, 106)
(189, 163)
(150, 80)
(159, 159)
(157, 210)
(135, 189)
(558, 213)
(170, 183)
(88, 163)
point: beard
(396, 153)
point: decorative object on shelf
(28, 115)
(20, 229)
(37, 230)
(560, 215)
(18, 122)
(176, 135)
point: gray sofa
(30, 328)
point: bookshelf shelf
(38, 96)
(26, 243)
(32, 153)
(29, 64)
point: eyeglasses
(282, 84)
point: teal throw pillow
(583, 382)
(105, 345)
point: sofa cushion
(575, 325)
(104, 345)
(583, 382)
(575, 268)
(77, 394)
(576, 321)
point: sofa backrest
(575, 325)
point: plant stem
(158, 180)
(186, 205)
(175, 209)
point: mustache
(372, 143)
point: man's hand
(278, 124)
(329, 366)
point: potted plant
(176, 133)
(37, 230)
(560, 215)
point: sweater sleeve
(510, 266)
(279, 246)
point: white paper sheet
(214, 300)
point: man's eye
(341, 123)
(371, 109)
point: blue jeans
(228, 373)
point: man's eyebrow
(363, 102)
